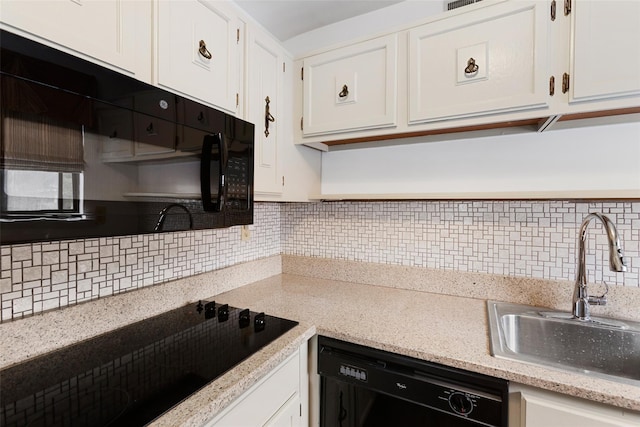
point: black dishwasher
(366, 387)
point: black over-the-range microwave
(88, 152)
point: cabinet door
(351, 88)
(265, 400)
(116, 126)
(529, 407)
(606, 50)
(490, 60)
(264, 109)
(197, 51)
(102, 30)
(288, 416)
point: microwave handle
(205, 174)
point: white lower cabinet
(279, 399)
(531, 407)
(289, 415)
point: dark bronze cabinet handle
(267, 117)
(345, 92)
(202, 49)
(472, 67)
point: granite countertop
(447, 329)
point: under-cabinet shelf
(194, 196)
(625, 194)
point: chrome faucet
(581, 299)
(163, 216)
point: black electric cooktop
(132, 375)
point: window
(41, 166)
(45, 192)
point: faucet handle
(602, 299)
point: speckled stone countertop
(445, 329)
(425, 317)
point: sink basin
(605, 348)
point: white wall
(592, 158)
(372, 23)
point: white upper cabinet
(491, 60)
(116, 33)
(605, 50)
(264, 109)
(197, 53)
(351, 88)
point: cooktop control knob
(210, 310)
(223, 313)
(199, 307)
(259, 322)
(244, 318)
(460, 403)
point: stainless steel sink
(600, 347)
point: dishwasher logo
(401, 386)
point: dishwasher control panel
(354, 372)
(354, 376)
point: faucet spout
(581, 299)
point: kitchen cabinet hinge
(552, 85)
(302, 73)
(565, 83)
(553, 10)
(567, 7)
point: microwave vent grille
(450, 5)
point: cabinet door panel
(545, 412)
(288, 415)
(606, 50)
(265, 64)
(263, 401)
(182, 66)
(487, 61)
(351, 88)
(104, 30)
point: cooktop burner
(132, 375)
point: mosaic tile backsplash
(515, 238)
(42, 276)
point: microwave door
(212, 175)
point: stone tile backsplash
(514, 238)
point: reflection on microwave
(163, 216)
(104, 154)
